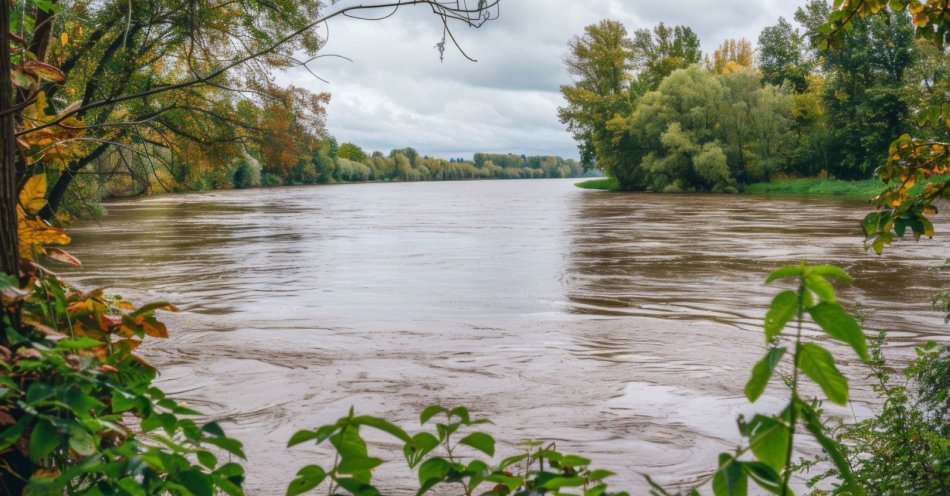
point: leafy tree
(731, 56)
(600, 62)
(660, 52)
(352, 152)
(864, 94)
(783, 56)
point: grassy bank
(813, 186)
(607, 183)
(819, 187)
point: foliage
(600, 62)
(904, 448)
(731, 56)
(917, 167)
(660, 52)
(801, 113)
(443, 456)
(73, 392)
(783, 56)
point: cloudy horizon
(397, 93)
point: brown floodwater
(621, 326)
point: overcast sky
(397, 93)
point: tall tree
(659, 52)
(864, 93)
(732, 55)
(784, 56)
(600, 62)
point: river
(621, 326)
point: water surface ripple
(622, 326)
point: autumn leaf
(44, 71)
(33, 194)
(35, 233)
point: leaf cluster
(79, 413)
(446, 456)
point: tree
(660, 52)
(352, 152)
(731, 56)
(916, 167)
(783, 56)
(864, 94)
(599, 62)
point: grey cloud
(397, 92)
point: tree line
(653, 112)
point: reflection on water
(623, 326)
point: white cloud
(397, 93)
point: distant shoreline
(867, 188)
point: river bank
(808, 186)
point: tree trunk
(9, 256)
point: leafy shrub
(905, 448)
(72, 392)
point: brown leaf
(45, 71)
(6, 418)
(62, 256)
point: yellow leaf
(64, 38)
(33, 194)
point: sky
(395, 92)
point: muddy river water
(621, 326)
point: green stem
(793, 417)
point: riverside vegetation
(79, 413)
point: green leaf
(352, 465)
(43, 440)
(558, 482)
(384, 426)
(769, 439)
(78, 343)
(784, 308)
(574, 461)
(197, 482)
(434, 469)
(301, 437)
(11, 434)
(420, 445)
(480, 441)
(429, 412)
(600, 474)
(821, 287)
(785, 272)
(82, 442)
(765, 476)
(762, 372)
(230, 445)
(730, 479)
(207, 458)
(510, 481)
(838, 324)
(831, 271)
(818, 364)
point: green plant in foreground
(79, 414)
(766, 459)
(541, 469)
(905, 447)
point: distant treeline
(349, 163)
(651, 111)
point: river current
(622, 326)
